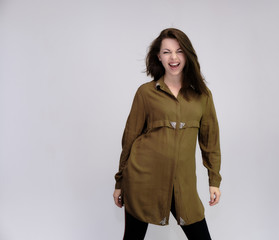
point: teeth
(174, 64)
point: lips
(174, 65)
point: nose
(173, 55)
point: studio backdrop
(68, 74)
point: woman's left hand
(214, 195)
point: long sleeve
(135, 125)
(209, 142)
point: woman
(157, 165)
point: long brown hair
(192, 77)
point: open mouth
(174, 65)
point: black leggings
(136, 229)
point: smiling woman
(157, 165)
(191, 77)
(173, 60)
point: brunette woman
(157, 171)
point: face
(172, 57)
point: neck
(173, 80)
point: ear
(159, 57)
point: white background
(68, 74)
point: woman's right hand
(117, 198)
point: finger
(217, 198)
(118, 201)
(214, 203)
(212, 197)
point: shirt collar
(160, 84)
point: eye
(165, 52)
(179, 51)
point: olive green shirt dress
(158, 154)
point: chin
(175, 73)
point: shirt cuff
(118, 185)
(214, 184)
